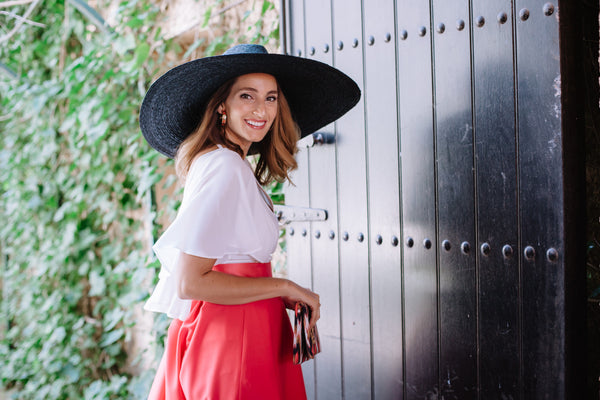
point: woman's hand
(289, 304)
(311, 299)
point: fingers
(315, 312)
(311, 299)
(314, 316)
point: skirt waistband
(249, 270)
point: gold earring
(223, 118)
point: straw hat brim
(317, 93)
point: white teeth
(257, 124)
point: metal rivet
(345, 236)
(292, 232)
(331, 235)
(403, 34)
(410, 242)
(304, 232)
(480, 21)
(422, 31)
(394, 241)
(387, 37)
(552, 254)
(318, 234)
(529, 253)
(486, 249)
(502, 17)
(524, 14)
(371, 40)
(299, 53)
(446, 245)
(312, 51)
(340, 45)
(507, 251)
(427, 243)
(325, 48)
(441, 27)
(378, 239)
(460, 25)
(465, 247)
(548, 9)
(355, 43)
(360, 237)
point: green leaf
(266, 6)
(58, 335)
(91, 14)
(97, 284)
(193, 47)
(141, 54)
(8, 71)
(207, 15)
(135, 22)
(71, 372)
(124, 43)
(111, 337)
(98, 131)
(112, 318)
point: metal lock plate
(287, 214)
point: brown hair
(276, 151)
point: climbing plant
(77, 186)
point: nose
(259, 111)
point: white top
(224, 214)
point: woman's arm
(197, 281)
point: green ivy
(76, 194)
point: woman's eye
(272, 98)
(245, 96)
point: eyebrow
(254, 90)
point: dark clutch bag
(306, 344)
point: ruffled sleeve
(220, 215)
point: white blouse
(224, 214)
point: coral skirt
(230, 352)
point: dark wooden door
(446, 264)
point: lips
(256, 124)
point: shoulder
(221, 164)
(217, 159)
(227, 157)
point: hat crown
(246, 49)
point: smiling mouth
(256, 124)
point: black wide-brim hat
(317, 93)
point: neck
(245, 146)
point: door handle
(318, 138)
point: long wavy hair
(276, 150)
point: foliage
(76, 194)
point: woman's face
(251, 108)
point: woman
(230, 337)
